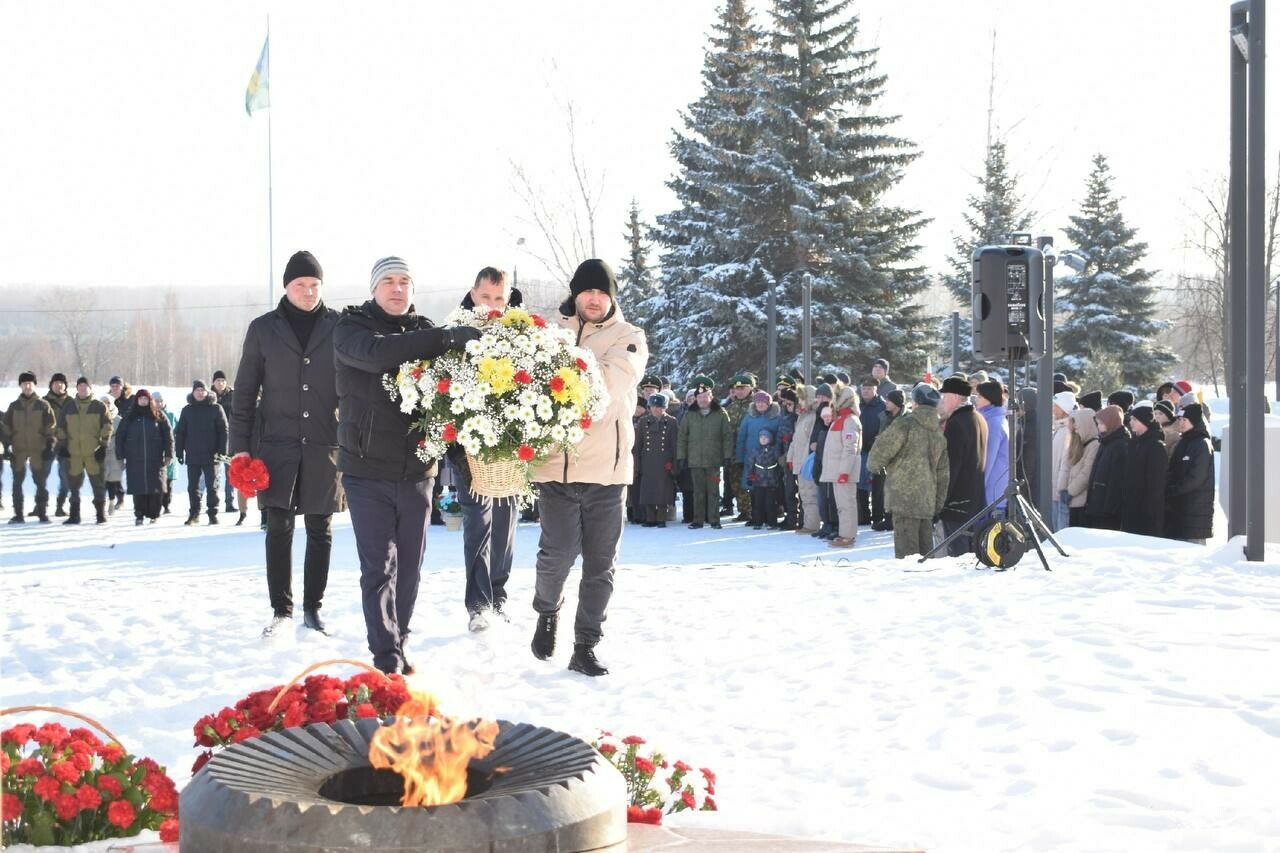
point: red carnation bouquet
(248, 475)
(655, 785)
(65, 786)
(318, 699)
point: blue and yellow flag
(258, 95)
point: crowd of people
(821, 458)
(925, 461)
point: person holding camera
(29, 431)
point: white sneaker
(276, 623)
(478, 622)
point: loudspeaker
(1008, 303)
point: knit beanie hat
(1110, 418)
(1183, 385)
(83, 380)
(198, 383)
(897, 398)
(957, 384)
(1092, 400)
(388, 266)
(218, 374)
(992, 391)
(1194, 412)
(1145, 414)
(824, 390)
(925, 395)
(767, 433)
(300, 265)
(1121, 398)
(58, 377)
(761, 397)
(843, 377)
(883, 362)
(789, 394)
(115, 380)
(1187, 399)
(594, 274)
(26, 376)
(1065, 401)
(1166, 408)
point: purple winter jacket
(996, 475)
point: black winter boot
(544, 636)
(74, 517)
(100, 508)
(18, 518)
(61, 511)
(311, 619)
(584, 661)
(213, 516)
(240, 520)
(192, 520)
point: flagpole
(270, 224)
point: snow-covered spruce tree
(702, 314)
(637, 284)
(995, 211)
(1107, 339)
(813, 199)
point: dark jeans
(579, 519)
(488, 544)
(762, 505)
(208, 470)
(315, 565)
(790, 500)
(389, 519)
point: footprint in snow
(1215, 778)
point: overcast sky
(127, 159)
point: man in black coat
(387, 485)
(285, 412)
(227, 400)
(1145, 475)
(201, 436)
(1190, 489)
(488, 524)
(870, 486)
(966, 434)
(1106, 481)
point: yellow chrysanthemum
(516, 317)
(499, 373)
(571, 388)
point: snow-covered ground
(1129, 700)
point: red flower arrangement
(68, 787)
(248, 475)
(655, 786)
(318, 699)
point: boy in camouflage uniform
(913, 451)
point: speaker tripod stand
(1001, 542)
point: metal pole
(806, 329)
(1043, 498)
(955, 341)
(771, 359)
(1255, 375)
(1236, 209)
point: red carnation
(88, 797)
(639, 814)
(52, 734)
(46, 788)
(632, 740)
(201, 761)
(538, 321)
(449, 433)
(688, 800)
(28, 767)
(169, 830)
(442, 387)
(110, 786)
(585, 420)
(365, 710)
(495, 314)
(416, 373)
(645, 766)
(556, 383)
(525, 452)
(522, 377)
(607, 749)
(120, 813)
(582, 365)
(10, 807)
(5, 763)
(66, 806)
(111, 752)
(18, 735)
(65, 771)
(246, 733)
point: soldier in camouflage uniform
(703, 443)
(913, 451)
(736, 406)
(29, 431)
(57, 398)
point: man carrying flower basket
(388, 484)
(581, 493)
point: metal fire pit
(313, 789)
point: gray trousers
(912, 536)
(578, 519)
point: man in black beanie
(284, 411)
(1146, 470)
(57, 398)
(1092, 400)
(29, 431)
(1121, 398)
(1190, 489)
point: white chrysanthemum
(575, 434)
(558, 433)
(567, 416)
(544, 410)
(474, 348)
(457, 406)
(527, 397)
(473, 400)
(526, 414)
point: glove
(843, 478)
(47, 453)
(668, 465)
(100, 454)
(1064, 497)
(459, 336)
(64, 451)
(182, 459)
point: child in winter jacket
(764, 474)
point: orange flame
(430, 750)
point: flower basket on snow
(68, 786)
(519, 393)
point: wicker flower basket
(504, 479)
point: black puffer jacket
(145, 446)
(286, 411)
(1145, 475)
(1106, 495)
(1189, 513)
(202, 431)
(375, 439)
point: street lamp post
(806, 327)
